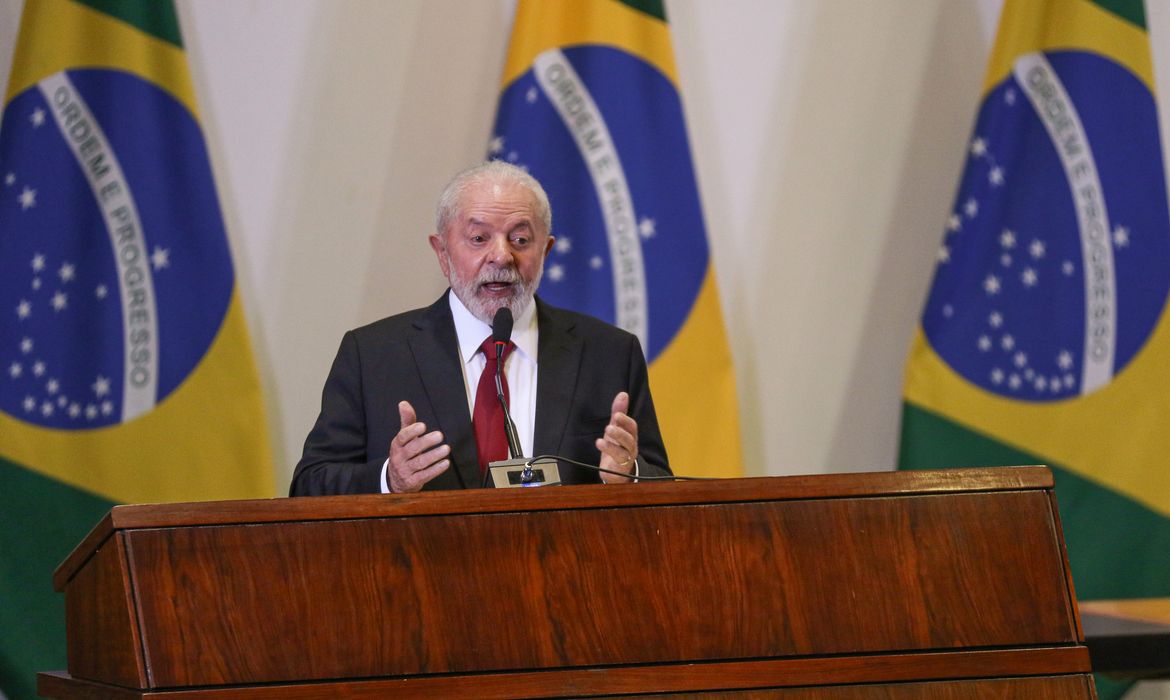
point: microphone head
(502, 325)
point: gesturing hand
(416, 456)
(619, 444)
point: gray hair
(491, 171)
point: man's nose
(500, 252)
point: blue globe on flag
(631, 248)
(113, 281)
(1052, 272)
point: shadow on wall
(926, 185)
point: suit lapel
(436, 354)
(558, 361)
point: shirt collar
(470, 331)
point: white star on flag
(647, 227)
(496, 145)
(944, 254)
(74, 410)
(556, 273)
(27, 198)
(23, 309)
(954, 223)
(160, 258)
(596, 262)
(30, 404)
(991, 285)
(101, 291)
(563, 245)
(997, 376)
(26, 345)
(90, 411)
(1005, 260)
(1037, 248)
(38, 368)
(995, 319)
(38, 262)
(531, 95)
(1064, 359)
(1067, 268)
(1021, 359)
(1007, 342)
(60, 301)
(971, 208)
(37, 117)
(10, 179)
(1007, 239)
(1014, 381)
(15, 370)
(1009, 96)
(978, 147)
(52, 386)
(984, 343)
(101, 386)
(66, 272)
(46, 409)
(1028, 277)
(1120, 236)
(996, 176)
(107, 408)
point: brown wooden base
(1028, 674)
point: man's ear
(549, 245)
(439, 245)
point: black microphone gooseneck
(501, 334)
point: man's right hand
(416, 456)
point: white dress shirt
(519, 369)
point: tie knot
(489, 349)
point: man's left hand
(619, 444)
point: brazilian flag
(126, 373)
(590, 106)
(1045, 337)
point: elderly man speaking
(408, 401)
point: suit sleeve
(335, 459)
(652, 459)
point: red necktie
(491, 440)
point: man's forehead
(483, 200)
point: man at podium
(412, 401)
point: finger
(408, 433)
(406, 414)
(614, 456)
(625, 422)
(613, 463)
(621, 437)
(621, 403)
(424, 459)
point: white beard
(485, 309)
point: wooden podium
(950, 584)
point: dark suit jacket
(582, 363)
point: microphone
(516, 471)
(501, 334)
